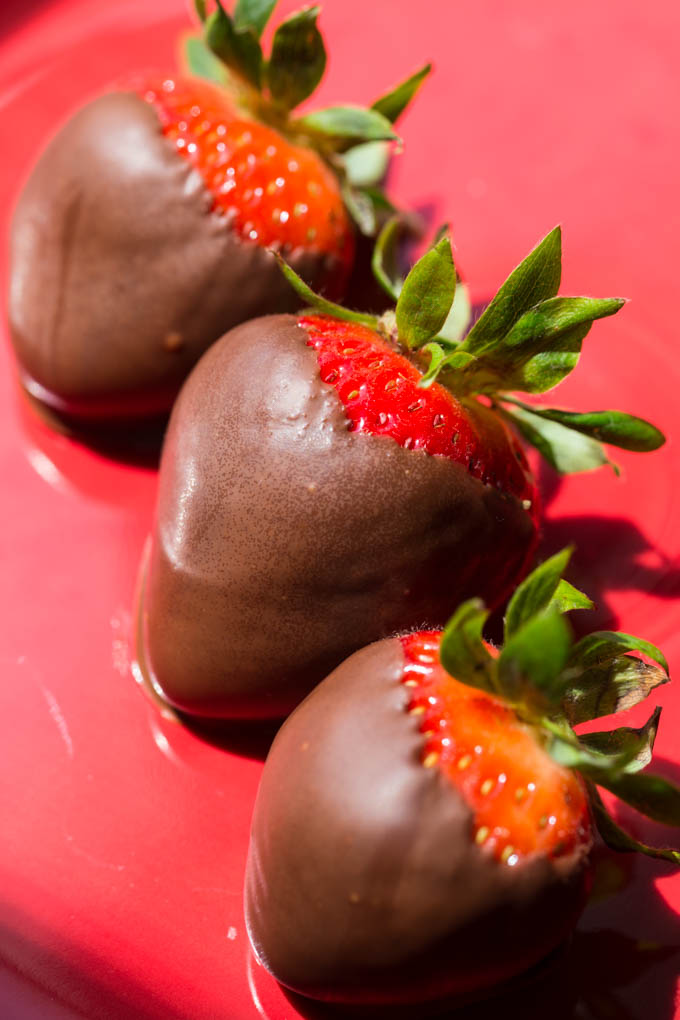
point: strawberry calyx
(354, 140)
(522, 801)
(552, 684)
(527, 340)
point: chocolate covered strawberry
(143, 232)
(425, 818)
(320, 490)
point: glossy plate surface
(122, 836)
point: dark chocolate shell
(364, 883)
(121, 276)
(284, 541)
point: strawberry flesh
(274, 193)
(378, 387)
(522, 801)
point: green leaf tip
(462, 651)
(631, 748)
(366, 164)
(298, 59)
(612, 687)
(613, 427)
(199, 60)
(533, 658)
(457, 323)
(426, 296)
(604, 646)
(535, 279)
(394, 102)
(436, 354)
(238, 48)
(544, 588)
(348, 125)
(617, 839)
(653, 796)
(566, 450)
(384, 258)
(253, 14)
(360, 207)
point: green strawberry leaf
(605, 645)
(536, 592)
(366, 164)
(458, 319)
(347, 125)
(552, 318)
(238, 48)
(298, 59)
(318, 303)
(634, 746)
(253, 14)
(454, 361)
(613, 427)
(458, 360)
(444, 230)
(380, 200)
(617, 839)
(532, 659)
(566, 749)
(612, 687)
(567, 597)
(651, 795)
(535, 279)
(542, 347)
(393, 104)
(537, 672)
(426, 296)
(202, 62)
(384, 261)
(608, 756)
(361, 208)
(436, 354)
(539, 371)
(200, 8)
(565, 450)
(462, 651)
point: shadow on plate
(76, 977)
(136, 443)
(611, 554)
(243, 738)
(247, 739)
(13, 14)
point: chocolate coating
(121, 276)
(363, 882)
(284, 542)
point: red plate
(124, 836)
